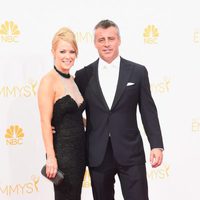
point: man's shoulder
(83, 75)
(93, 64)
(134, 65)
(88, 68)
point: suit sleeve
(82, 78)
(149, 113)
(79, 80)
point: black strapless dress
(69, 146)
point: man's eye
(62, 51)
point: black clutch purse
(57, 179)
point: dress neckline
(69, 96)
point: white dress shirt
(108, 79)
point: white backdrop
(163, 36)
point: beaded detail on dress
(69, 146)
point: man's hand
(156, 157)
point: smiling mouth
(67, 62)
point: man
(113, 88)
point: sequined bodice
(67, 114)
(69, 146)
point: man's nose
(107, 43)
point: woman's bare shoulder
(49, 78)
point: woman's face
(64, 55)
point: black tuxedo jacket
(120, 122)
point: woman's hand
(51, 167)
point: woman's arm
(45, 102)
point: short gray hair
(107, 24)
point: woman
(61, 105)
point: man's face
(107, 42)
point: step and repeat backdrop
(163, 36)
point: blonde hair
(67, 35)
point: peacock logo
(14, 135)
(9, 32)
(151, 34)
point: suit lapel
(124, 74)
(95, 85)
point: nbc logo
(14, 135)
(9, 32)
(150, 34)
